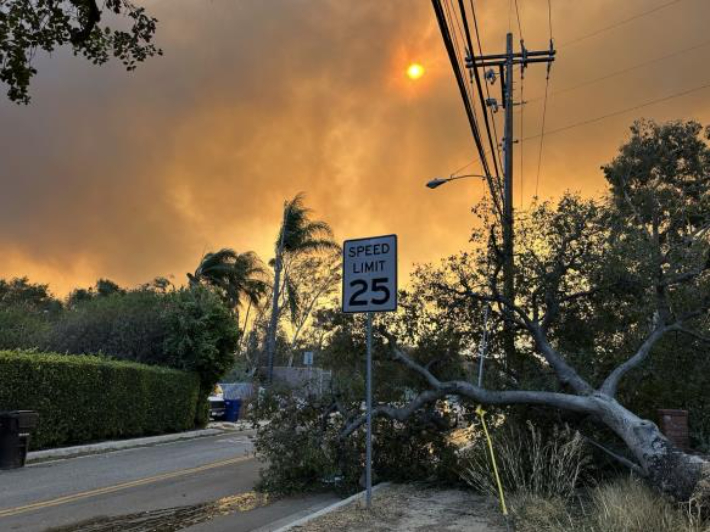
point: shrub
(22, 329)
(303, 451)
(127, 326)
(529, 461)
(88, 398)
(412, 450)
(201, 334)
(297, 445)
(188, 329)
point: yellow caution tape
(482, 413)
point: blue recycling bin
(231, 409)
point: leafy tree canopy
(31, 296)
(27, 26)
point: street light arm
(438, 181)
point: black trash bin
(15, 429)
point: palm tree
(299, 235)
(234, 276)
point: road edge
(299, 521)
(63, 453)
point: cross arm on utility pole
(524, 62)
(519, 55)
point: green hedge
(83, 398)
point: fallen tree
(645, 249)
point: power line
(477, 77)
(446, 36)
(522, 139)
(465, 166)
(496, 150)
(510, 16)
(542, 135)
(544, 104)
(625, 70)
(448, 8)
(522, 106)
(520, 26)
(623, 111)
(620, 23)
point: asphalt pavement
(204, 484)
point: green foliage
(344, 351)
(677, 376)
(26, 312)
(201, 335)
(30, 25)
(188, 329)
(21, 293)
(298, 446)
(128, 326)
(418, 449)
(20, 329)
(303, 451)
(88, 398)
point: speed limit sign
(370, 285)
(370, 274)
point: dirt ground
(411, 507)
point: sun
(415, 71)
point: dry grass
(623, 505)
(529, 463)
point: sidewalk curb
(118, 445)
(323, 511)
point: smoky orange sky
(134, 175)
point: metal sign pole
(368, 465)
(482, 348)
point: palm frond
(299, 232)
(233, 275)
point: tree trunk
(244, 330)
(682, 476)
(273, 322)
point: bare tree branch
(565, 373)
(694, 334)
(440, 389)
(611, 383)
(621, 459)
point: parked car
(217, 408)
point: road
(166, 487)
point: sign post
(370, 285)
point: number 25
(378, 285)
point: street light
(438, 181)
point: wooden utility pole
(505, 63)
